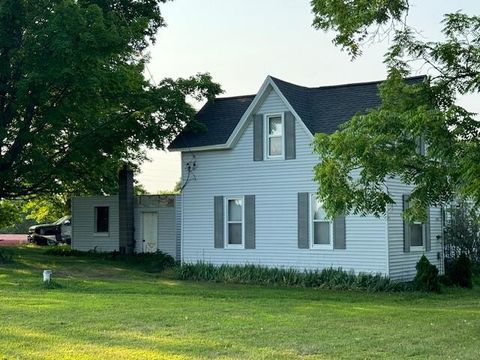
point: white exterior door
(149, 231)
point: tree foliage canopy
(352, 20)
(74, 101)
(382, 143)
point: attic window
(274, 135)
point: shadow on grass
(117, 342)
(114, 346)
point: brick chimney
(125, 211)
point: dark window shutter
(250, 222)
(290, 151)
(339, 233)
(420, 142)
(219, 241)
(303, 220)
(407, 236)
(428, 240)
(258, 137)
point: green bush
(149, 262)
(64, 251)
(255, 274)
(462, 231)
(427, 276)
(460, 273)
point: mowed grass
(105, 310)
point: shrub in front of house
(462, 232)
(260, 275)
(426, 278)
(64, 251)
(150, 262)
(460, 272)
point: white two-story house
(249, 195)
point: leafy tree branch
(74, 102)
(359, 160)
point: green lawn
(107, 311)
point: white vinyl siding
(178, 227)
(85, 238)
(402, 264)
(84, 235)
(165, 208)
(276, 185)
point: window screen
(234, 221)
(321, 225)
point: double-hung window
(321, 229)
(274, 136)
(417, 231)
(234, 224)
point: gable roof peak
(320, 109)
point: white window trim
(424, 235)
(100, 233)
(267, 136)
(226, 222)
(311, 221)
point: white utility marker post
(47, 275)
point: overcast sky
(241, 42)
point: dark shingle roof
(322, 109)
(218, 119)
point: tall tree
(74, 101)
(386, 142)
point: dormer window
(274, 136)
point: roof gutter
(201, 148)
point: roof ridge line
(345, 84)
(364, 83)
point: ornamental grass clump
(329, 278)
